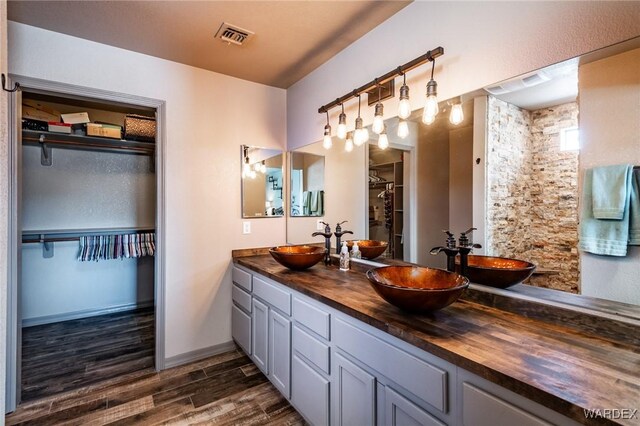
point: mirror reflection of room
(262, 182)
(307, 184)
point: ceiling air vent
(232, 34)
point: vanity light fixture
(456, 116)
(403, 129)
(263, 167)
(383, 140)
(246, 164)
(431, 105)
(378, 119)
(348, 143)
(326, 141)
(404, 106)
(342, 124)
(361, 134)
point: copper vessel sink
(415, 288)
(297, 257)
(370, 249)
(499, 272)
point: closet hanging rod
(402, 69)
(74, 235)
(36, 138)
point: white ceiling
(292, 38)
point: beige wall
(4, 144)
(610, 134)
(461, 179)
(203, 214)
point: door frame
(15, 240)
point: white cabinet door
(241, 329)
(280, 351)
(355, 395)
(309, 392)
(260, 337)
(401, 412)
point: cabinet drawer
(242, 278)
(241, 329)
(309, 392)
(316, 352)
(276, 297)
(241, 297)
(311, 317)
(424, 380)
(480, 408)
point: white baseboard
(66, 316)
(198, 354)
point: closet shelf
(376, 184)
(382, 166)
(88, 143)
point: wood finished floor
(68, 355)
(226, 389)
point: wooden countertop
(562, 368)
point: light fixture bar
(420, 60)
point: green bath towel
(634, 210)
(603, 236)
(611, 186)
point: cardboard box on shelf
(76, 118)
(113, 132)
(36, 114)
(59, 127)
(41, 107)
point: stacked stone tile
(532, 194)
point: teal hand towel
(611, 186)
(314, 202)
(634, 210)
(602, 236)
(306, 203)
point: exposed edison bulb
(348, 143)
(246, 169)
(365, 135)
(403, 129)
(252, 174)
(383, 140)
(327, 143)
(431, 105)
(358, 133)
(404, 107)
(342, 126)
(378, 120)
(256, 167)
(456, 116)
(263, 168)
(428, 119)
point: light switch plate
(319, 225)
(246, 227)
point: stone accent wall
(532, 207)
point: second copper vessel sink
(499, 272)
(297, 257)
(415, 288)
(370, 249)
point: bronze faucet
(339, 233)
(450, 250)
(464, 246)
(327, 242)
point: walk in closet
(387, 207)
(87, 215)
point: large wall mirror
(513, 168)
(262, 182)
(307, 184)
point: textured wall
(532, 190)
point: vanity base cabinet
(354, 396)
(280, 352)
(260, 338)
(309, 392)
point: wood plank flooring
(68, 355)
(226, 389)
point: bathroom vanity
(341, 355)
